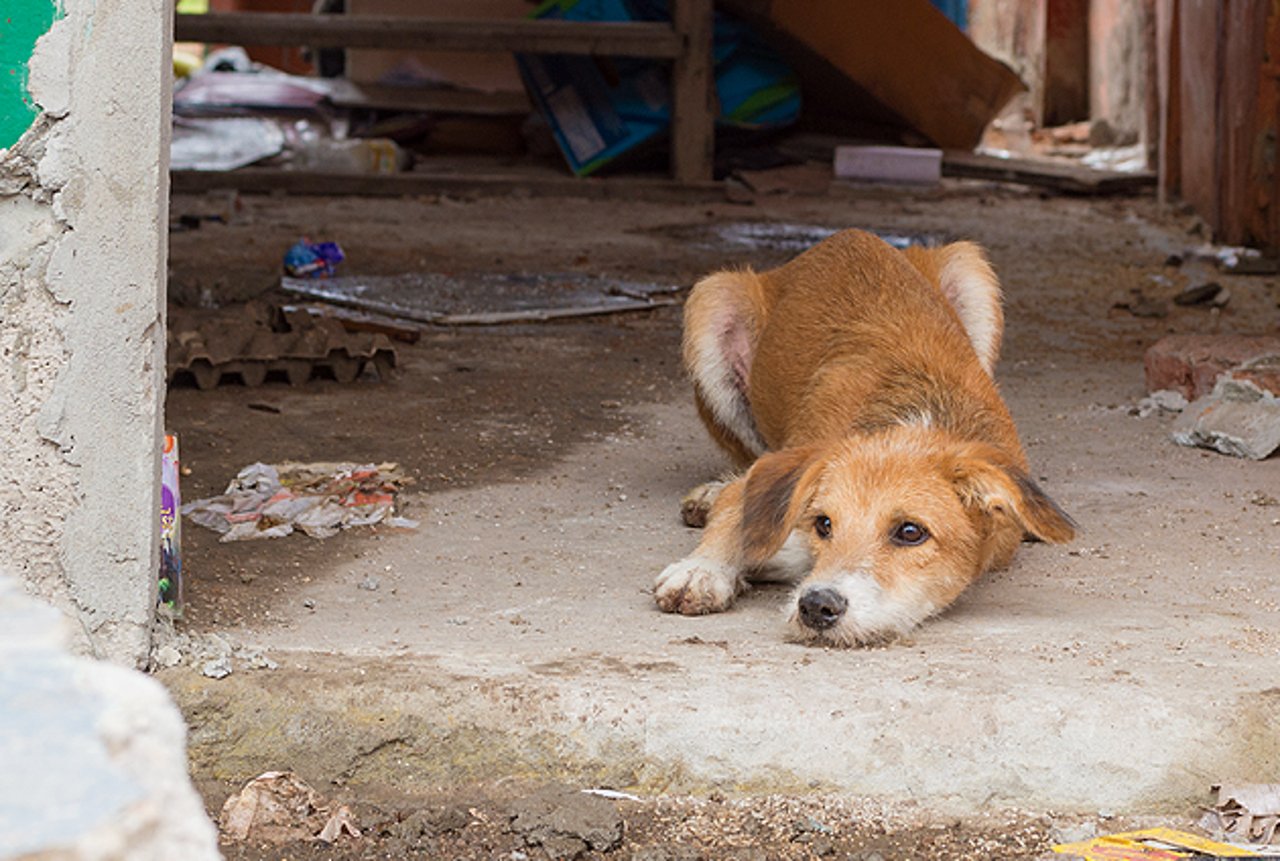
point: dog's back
(856, 338)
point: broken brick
(1192, 364)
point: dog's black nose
(822, 608)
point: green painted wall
(21, 23)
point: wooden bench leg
(693, 104)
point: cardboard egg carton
(255, 342)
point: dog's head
(899, 523)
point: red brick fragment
(1191, 364)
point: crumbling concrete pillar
(84, 130)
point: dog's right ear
(984, 479)
(779, 487)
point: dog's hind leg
(695, 508)
(722, 321)
(964, 275)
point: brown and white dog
(855, 382)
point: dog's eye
(822, 526)
(908, 534)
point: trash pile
(271, 501)
(1242, 822)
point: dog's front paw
(695, 586)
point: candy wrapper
(308, 259)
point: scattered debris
(167, 656)
(1162, 401)
(256, 341)
(265, 501)
(481, 300)
(1211, 294)
(279, 807)
(1139, 304)
(567, 823)
(218, 668)
(613, 794)
(306, 259)
(921, 165)
(1248, 811)
(1064, 178)
(370, 583)
(1263, 499)
(1237, 418)
(340, 822)
(1192, 364)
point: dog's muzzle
(820, 608)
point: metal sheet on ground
(461, 300)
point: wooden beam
(1168, 74)
(693, 108)
(652, 40)
(267, 180)
(348, 94)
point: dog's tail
(722, 321)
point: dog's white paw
(695, 586)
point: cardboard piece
(254, 341)
(905, 55)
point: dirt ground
(480, 409)
(481, 823)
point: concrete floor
(514, 633)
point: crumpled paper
(279, 807)
(270, 501)
(1247, 811)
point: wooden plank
(348, 94)
(268, 180)
(654, 40)
(1168, 75)
(693, 98)
(1199, 50)
(1269, 104)
(1244, 32)
(1065, 178)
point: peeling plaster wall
(83, 215)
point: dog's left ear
(982, 479)
(778, 489)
